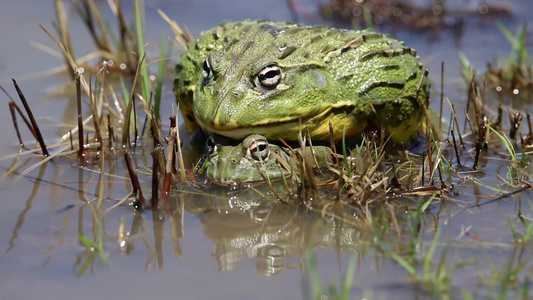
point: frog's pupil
(270, 76)
(206, 70)
(261, 148)
(210, 144)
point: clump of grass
(420, 265)
(94, 249)
(31, 123)
(516, 168)
(111, 107)
(504, 282)
(507, 80)
(513, 77)
(364, 179)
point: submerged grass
(312, 287)
(432, 277)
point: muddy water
(230, 244)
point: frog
(256, 160)
(278, 78)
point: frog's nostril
(236, 94)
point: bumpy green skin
(354, 79)
(229, 165)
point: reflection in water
(29, 201)
(243, 224)
(269, 231)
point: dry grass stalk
(13, 108)
(81, 149)
(183, 37)
(137, 190)
(34, 125)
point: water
(218, 248)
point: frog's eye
(206, 69)
(259, 149)
(270, 76)
(210, 145)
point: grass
(510, 78)
(430, 276)
(312, 288)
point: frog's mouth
(340, 115)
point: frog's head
(251, 161)
(259, 85)
(275, 78)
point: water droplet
(123, 66)
(152, 77)
(397, 11)
(437, 9)
(483, 9)
(516, 91)
(498, 88)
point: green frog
(256, 160)
(276, 79)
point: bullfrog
(277, 78)
(256, 160)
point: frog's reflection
(270, 231)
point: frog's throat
(288, 129)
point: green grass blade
(312, 265)
(463, 264)
(344, 154)
(428, 202)
(507, 142)
(414, 239)
(86, 264)
(348, 280)
(369, 22)
(88, 243)
(145, 82)
(525, 289)
(508, 34)
(466, 295)
(160, 74)
(511, 39)
(405, 264)
(127, 99)
(522, 52)
(515, 234)
(428, 258)
(528, 233)
(466, 69)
